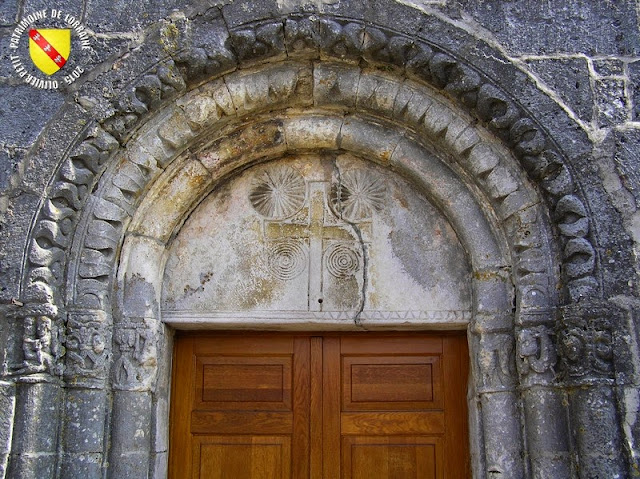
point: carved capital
(38, 358)
(536, 354)
(586, 343)
(495, 361)
(134, 368)
(88, 348)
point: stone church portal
(265, 213)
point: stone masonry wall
(583, 54)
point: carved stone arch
(147, 132)
(512, 228)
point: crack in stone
(365, 256)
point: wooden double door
(352, 406)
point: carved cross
(316, 231)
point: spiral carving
(342, 261)
(287, 259)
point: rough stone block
(569, 78)
(405, 17)
(611, 102)
(9, 13)
(11, 160)
(32, 465)
(607, 67)
(570, 26)
(124, 16)
(72, 7)
(634, 79)
(81, 466)
(24, 112)
(12, 243)
(238, 13)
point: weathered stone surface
(570, 78)
(25, 123)
(84, 428)
(567, 26)
(7, 410)
(9, 12)
(331, 218)
(634, 77)
(611, 101)
(14, 226)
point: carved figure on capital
(86, 347)
(41, 346)
(496, 361)
(134, 367)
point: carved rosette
(356, 195)
(278, 193)
(87, 349)
(135, 352)
(586, 343)
(342, 260)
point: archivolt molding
(304, 37)
(222, 146)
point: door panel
(241, 457)
(330, 406)
(391, 458)
(240, 407)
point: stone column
(493, 351)
(545, 415)
(586, 346)
(7, 411)
(38, 394)
(134, 377)
(88, 345)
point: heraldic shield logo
(49, 48)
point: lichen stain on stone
(169, 36)
(487, 276)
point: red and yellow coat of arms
(49, 48)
